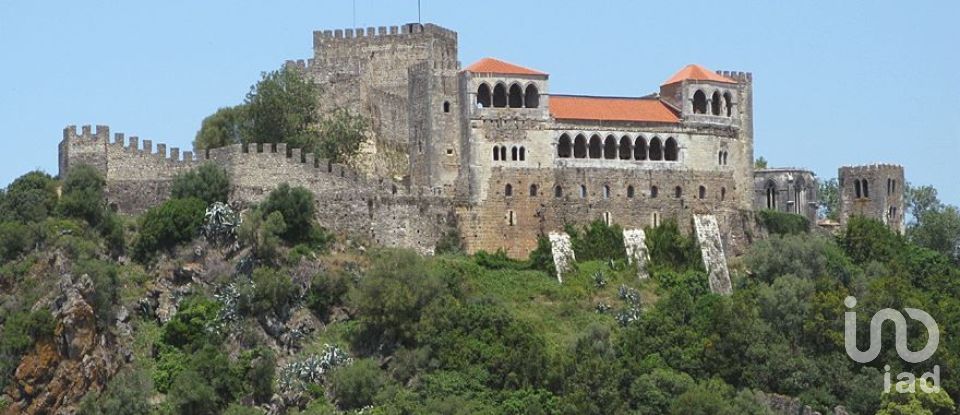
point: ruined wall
(786, 190)
(874, 191)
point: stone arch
(678, 192)
(503, 153)
(670, 150)
(580, 147)
(856, 188)
(610, 147)
(866, 188)
(640, 148)
(725, 158)
(771, 192)
(564, 147)
(523, 153)
(446, 106)
(514, 153)
(596, 147)
(699, 102)
(496, 153)
(508, 190)
(702, 192)
(516, 96)
(558, 191)
(534, 190)
(531, 97)
(654, 192)
(583, 191)
(720, 158)
(728, 102)
(715, 103)
(500, 96)
(606, 191)
(656, 149)
(626, 148)
(484, 96)
(630, 192)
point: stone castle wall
(378, 210)
(875, 191)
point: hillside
(185, 310)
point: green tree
(296, 206)
(273, 292)
(30, 198)
(163, 227)
(591, 378)
(918, 403)
(262, 372)
(188, 328)
(935, 225)
(782, 223)
(190, 394)
(225, 127)
(342, 135)
(760, 163)
(669, 248)
(829, 203)
(921, 199)
(209, 183)
(283, 108)
(262, 234)
(15, 239)
(84, 197)
(128, 393)
(597, 241)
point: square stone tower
(874, 191)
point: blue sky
(835, 82)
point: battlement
(381, 32)
(745, 77)
(102, 133)
(301, 64)
(874, 167)
(435, 65)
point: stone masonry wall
(881, 198)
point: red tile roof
(569, 107)
(697, 73)
(491, 65)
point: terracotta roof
(697, 73)
(491, 65)
(570, 107)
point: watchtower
(874, 191)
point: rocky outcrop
(58, 372)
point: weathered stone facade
(488, 149)
(786, 190)
(874, 191)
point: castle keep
(490, 150)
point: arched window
(610, 148)
(532, 97)
(702, 193)
(856, 188)
(516, 96)
(720, 158)
(503, 153)
(630, 192)
(724, 158)
(626, 148)
(499, 96)
(656, 149)
(723, 194)
(446, 106)
(606, 191)
(728, 101)
(508, 190)
(699, 102)
(558, 192)
(654, 192)
(640, 149)
(523, 153)
(580, 147)
(772, 195)
(583, 191)
(564, 147)
(678, 192)
(496, 153)
(670, 150)
(483, 96)
(514, 154)
(866, 188)
(596, 147)
(534, 190)
(715, 103)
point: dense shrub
(296, 206)
(20, 330)
(262, 234)
(782, 223)
(165, 226)
(209, 183)
(805, 256)
(354, 386)
(597, 241)
(669, 248)
(14, 240)
(84, 198)
(450, 243)
(190, 394)
(30, 198)
(326, 291)
(272, 292)
(261, 374)
(188, 328)
(541, 258)
(128, 393)
(497, 260)
(870, 240)
(106, 290)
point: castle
(490, 151)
